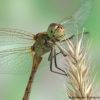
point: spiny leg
(55, 61)
(53, 56)
(49, 58)
(71, 37)
(51, 64)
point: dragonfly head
(55, 31)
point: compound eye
(51, 31)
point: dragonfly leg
(53, 56)
(51, 69)
(49, 56)
(71, 37)
(55, 60)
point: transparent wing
(15, 51)
(76, 21)
(16, 60)
(15, 37)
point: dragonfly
(20, 49)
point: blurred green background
(35, 16)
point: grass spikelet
(78, 71)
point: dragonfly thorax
(55, 31)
